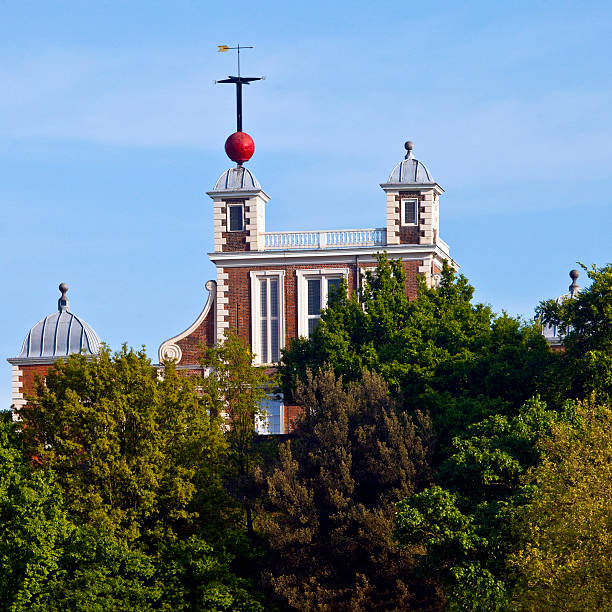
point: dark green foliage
(99, 572)
(431, 523)
(332, 499)
(488, 460)
(465, 527)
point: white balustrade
(333, 239)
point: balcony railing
(326, 239)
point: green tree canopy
(463, 526)
(33, 524)
(437, 351)
(586, 322)
(234, 388)
(126, 445)
(125, 473)
(565, 562)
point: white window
(410, 212)
(271, 419)
(235, 217)
(267, 315)
(314, 289)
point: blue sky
(111, 132)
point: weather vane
(239, 81)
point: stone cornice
(309, 256)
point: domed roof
(60, 334)
(238, 178)
(410, 170)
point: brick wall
(203, 334)
(29, 374)
(291, 415)
(239, 294)
(409, 234)
(235, 241)
(412, 270)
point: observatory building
(272, 286)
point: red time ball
(239, 147)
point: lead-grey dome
(238, 178)
(60, 334)
(410, 170)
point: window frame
(229, 216)
(256, 277)
(415, 202)
(262, 418)
(303, 276)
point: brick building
(271, 286)
(57, 335)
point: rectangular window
(269, 349)
(236, 218)
(263, 293)
(410, 212)
(314, 289)
(271, 420)
(314, 303)
(333, 285)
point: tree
(464, 525)
(33, 525)
(565, 562)
(586, 322)
(235, 388)
(135, 513)
(331, 499)
(439, 351)
(125, 444)
(449, 545)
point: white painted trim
(262, 419)
(417, 214)
(169, 349)
(234, 259)
(256, 276)
(227, 213)
(302, 292)
(412, 187)
(17, 399)
(231, 195)
(221, 305)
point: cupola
(412, 202)
(410, 171)
(59, 334)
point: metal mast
(239, 81)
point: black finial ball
(409, 145)
(574, 274)
(63, 288)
